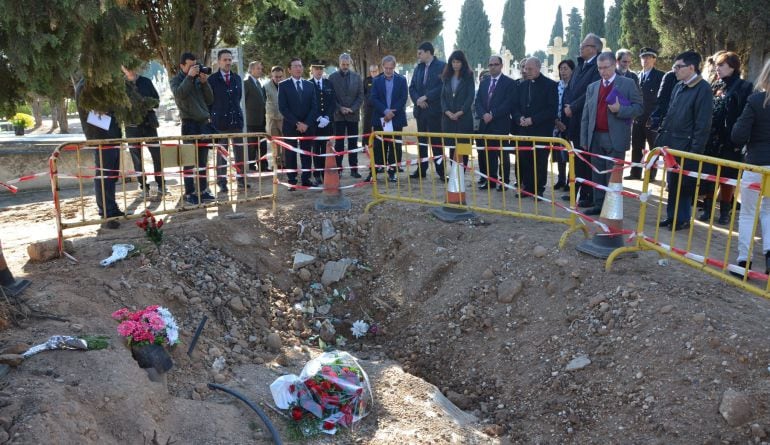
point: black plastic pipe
(197, 334)
(260, 413)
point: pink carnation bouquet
(151, 325)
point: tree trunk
(62, 117)
(37, 110)
(54, 116)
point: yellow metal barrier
(402, 177)
(704, 245)
(174, 152)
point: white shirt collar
(611, 79)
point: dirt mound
(532, 344)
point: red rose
(296, 413)
(328, 425)
(160, 223)
(147, 213)
(292, 388)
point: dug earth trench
(480, 332)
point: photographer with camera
(193, 97)
(227, 116)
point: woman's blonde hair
(763, 82)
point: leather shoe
(681, 226)
(742, 265)
(415, 175)
(595, 210)
(665, 223)
(486, 186)
(368, 179)
(307, 184)
(392, 178)
(355, 175)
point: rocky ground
(531, 344)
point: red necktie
(227, 79)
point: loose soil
(492, 313)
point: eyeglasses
(587, 46)
(608, 67)
(495, 64)
(677, 66)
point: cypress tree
(473, 32)
(613, 26)
(556, 31)
(514, 28)
(637, 27)
(574, 23)
(593, 18)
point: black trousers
(136, 152)
(256, 146)
(389, 149)
(290, 157)
(319, 148)
(107, 161)
(641, 135)
(431, 124)
(222, 161)
(533, 169)
(349, 129)
(189, 128)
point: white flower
(359, 329)
(172, 330)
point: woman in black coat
(753, 130)
(730, 94)
(457, 96)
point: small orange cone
(11, 286)
(455, 192)
(332, 198)
(603, 244)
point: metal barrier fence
(202, 160)
(522, 190)
(703, 243)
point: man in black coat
(641, 133)
(226, 114)
(425, 91)
(535, 113)
(255, 97)
(574, 100)
(327, 105)
(299, 107)
(493, 104)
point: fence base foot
(15, 288)
(325, 203)
(452, 214)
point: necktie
(298, 83)
(319, 84)
(606, 83)
(227, 79)
(491, 90)
(644, 77)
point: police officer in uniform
(324, 123)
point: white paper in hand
(99, 120)
(386, 126)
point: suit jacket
(349, 91)
(378, 99)
(537, 99)
(459, 100)
(431, 89)
(226, 111)
(271, 100)
(255, 96)
(575, 94)
(664, 97)
(620, 122)
(325, 98)
(649, 86)
(629, 75)
(297, 106)
(499, 105)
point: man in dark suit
(226, 114)
(641, 133)
(425, 91)
(299, 108)
(535, 113)
(327, 105)
(366, 119)
(493, 106)
(349, 93)
(574, 100)
(388, 99)
(606, 125)
(255, 97)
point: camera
(204, 69)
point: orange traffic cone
(11, 286)
(455, 191)
(332, 198)
(603, 244)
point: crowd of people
(598, 104)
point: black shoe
(382, 169)
(400, 170)
(565, 197)
(633, 177)
(585, 203)
(665, 223)
(222, 188)
(307, 184)
(682, 226)
(481, 181)
(559, 185)
(116, 213)
(392, 178)
(486, 186)
(192, 199)
(368, 178)
(705, 216)
(767, 263)
(595, 210)
(355, 174)
(415, 175)
(499, 187)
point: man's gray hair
(596, 41)
(346, 57)
(388, 59)
(605, 56)
(623, 52)
(538, 63)
(253, 64)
